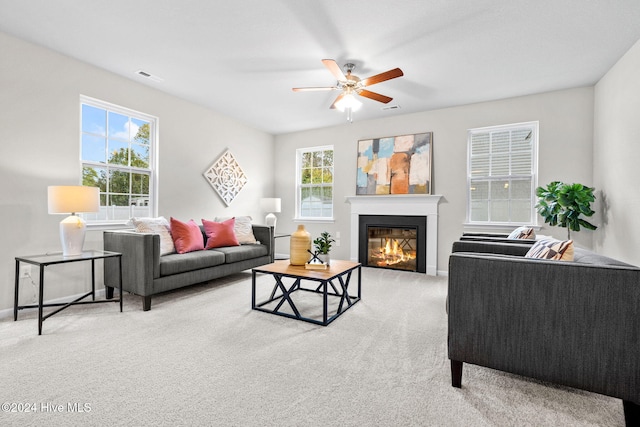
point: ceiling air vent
(391, 107)
(149, 76)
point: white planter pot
(324, 258)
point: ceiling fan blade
(333, 106)
(334, 68)
(375, 96)
(387, 75)
(309, 89)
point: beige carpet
(201, 356)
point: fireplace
(410, 205)
(393, 241)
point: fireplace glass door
(392, 247)
(393, 241)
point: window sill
(102, 226)
(315, 220)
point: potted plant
(563, 205)
(322, 245)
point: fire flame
(391, 253)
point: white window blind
(502, 173)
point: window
(117, 153)
(501, 174)
(314, 183)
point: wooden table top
(336, 268)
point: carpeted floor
(201, 356)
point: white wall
(39, 146)
(617, 155)
(566, 134)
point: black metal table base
(43, 261)
(333, 288)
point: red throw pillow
(186, 236)
(220, 234)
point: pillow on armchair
(552, 249)
(523, 233)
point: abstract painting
(395, 165)
(226, 177)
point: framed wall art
(226, 177)
(395, 165)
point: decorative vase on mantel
(300, 244)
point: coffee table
(324, 296)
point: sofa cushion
(220, 234)
(241, 253)
(552, 249)
(181, 263)
(187, 236)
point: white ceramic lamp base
(72, 231)
(270, 220)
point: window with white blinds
(314, 195)
(501, 174)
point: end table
(45, 260)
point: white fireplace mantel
(398, 204)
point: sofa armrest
(264, 234)
(481, 235)
(140, 260)
(564, 322)
(528, 242)
(495, 247)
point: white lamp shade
(271, 205)
(73, 198)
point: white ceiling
(242, 57)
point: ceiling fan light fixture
(348, 102)
(351, 85)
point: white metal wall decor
(226, 177)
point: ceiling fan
(351, 85)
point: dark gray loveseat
(575, 323)
(146, 273)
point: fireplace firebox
(395, 242)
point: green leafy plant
(323, 243)
(563, 205)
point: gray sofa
(146, 273)
(575, 323)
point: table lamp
(270, 205)
(65, 199)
